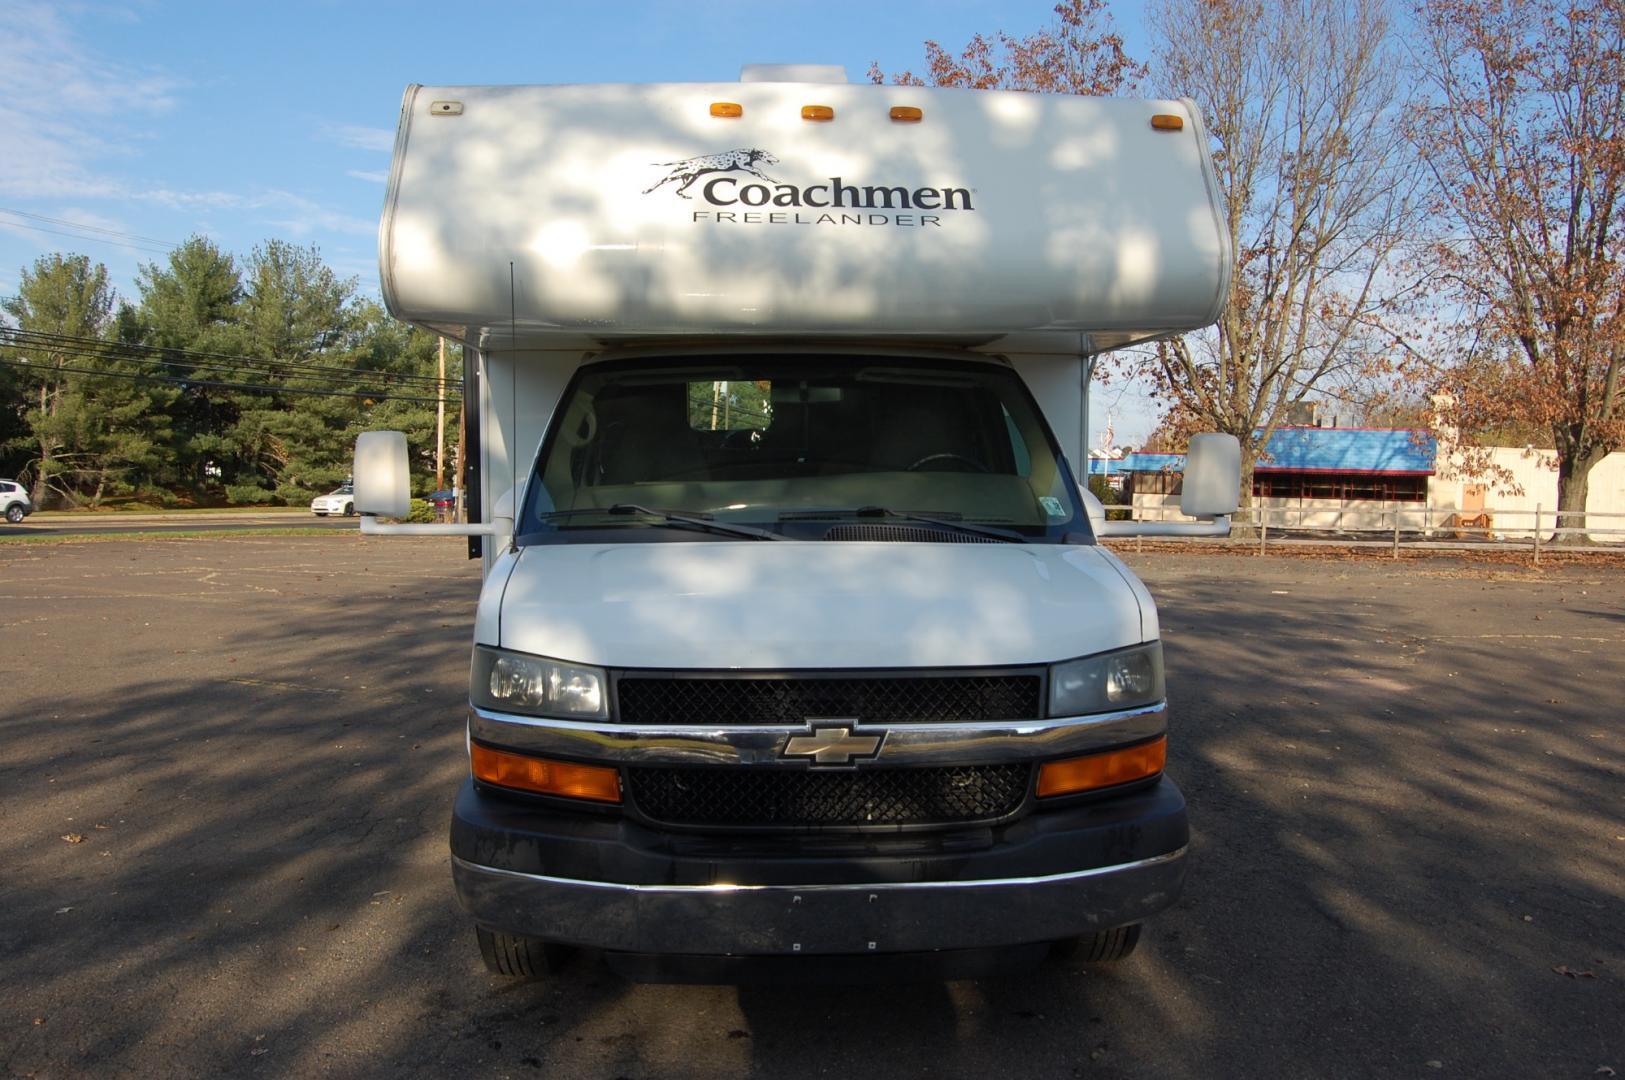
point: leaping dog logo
(691, 169)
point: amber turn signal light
(907, 113)
(817, 112)
(727, 108)
(1072, 775)
(1168, 122)
(522, 772)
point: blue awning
(1379, 451)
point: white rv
(796, 638)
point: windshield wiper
(925, 519)
(667, 517)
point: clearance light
(817, 112)
(1072, 775)
(907, 113)
(727, 108)
(1168, 122)
(524, 773)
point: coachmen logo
(833, 745)
(773, 202)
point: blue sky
(246, 121)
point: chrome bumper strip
(729, 919)
(851, 887)
(763, 744)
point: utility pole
(440, 424)
(460, 471)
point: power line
(176, 380)
(191, 373)
(101, 348)
(80, 231)
(93, 239)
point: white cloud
(295, 213)
(361, 138)
(65, 106)
(376, 176)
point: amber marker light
(522, 772)
(908, 114)
(729, 109)
(817, 112)
(1072, 775)
(1168, 122)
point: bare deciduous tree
(1525, 139)
(1303, 104)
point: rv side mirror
(382, 486)
(1212, 483)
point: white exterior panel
(803, 606)
(627, 211)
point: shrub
(239, 494)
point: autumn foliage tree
(1302, 101)
(1079, 53)
(1525, 139)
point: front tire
(14, 514)
(1106, 947)
(519, 957)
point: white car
(14, 502)
(341, 500)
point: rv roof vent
(820, 73)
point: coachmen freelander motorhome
(796, 640)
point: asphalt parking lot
(226, 766)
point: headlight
(514, 682)
(1110, 681)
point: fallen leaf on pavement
(74, 838)
(1563, 969)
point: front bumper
(612, 884)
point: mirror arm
(371, 526)
(1215, 526)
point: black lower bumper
(611, 883)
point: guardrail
(1425, 525)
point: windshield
(795, 446)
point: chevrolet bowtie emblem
(833, 746)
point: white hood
(824, 604)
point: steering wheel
(947, 456)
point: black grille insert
(906, 534)
(793, 700)
(743, 797)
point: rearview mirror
(1211, 486)
(382, 486)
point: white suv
(339, 501)
(14, 501)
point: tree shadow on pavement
(1404, 790)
